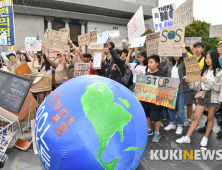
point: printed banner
(55, 40)
(97, 60)
(163, 16)
(158, 90)
(138, 42)
(136, 26)
(118, 42)
(81, 69)
(83, 39)
(102, 37)
(3, 39)
(93, 35)
(215, 31)
(7, 23)
(191, 40)
(152, 43)
(192, 68)
(171, 39)
(183, 15)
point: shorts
(206, 102)
(190, 97)
(153, 114)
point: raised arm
(76, 49)
(47, 57)
(128, 57)
(136, 52)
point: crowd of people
(124, 65)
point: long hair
(174, 61)
(26, 58)
(215, 62)
(145, 62)
(39, 58)
(46, 63)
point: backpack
(128, 76)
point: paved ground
(19, 160)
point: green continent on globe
(125, 102)
(171, 35)
(106, 116)
(133, 149)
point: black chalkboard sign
(13, 91)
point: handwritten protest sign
(93, 35)
(192, 68)
(215, 31)
(191, 40)
(152, 43)
(160, 90)
(138, 42)
(102, 37)
(163, 16)
(3, 38)
(33, 45)
(136, 26)
(4, 48)
(66, 30)
(81, 69)
(171, 39)
(55, 40)
(94, 45)
(19, 47)
(117, 41)
(183, 15)
(83, 39)
(113, 34)
(97, 60)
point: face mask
(160, 84)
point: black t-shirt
(151, 105)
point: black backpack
(128, 76)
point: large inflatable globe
(93, 123)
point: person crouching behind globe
(152, 111)
(210, 82)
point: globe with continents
(93, 123)
(171, 35)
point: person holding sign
(176, 69)
(208, 89)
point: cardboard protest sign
(183, 15)
(4, 48)
(136, 26)
(215, 31)
(117, 41)
(81, 69)
(97, 61)
(33, 137)
(19, 47)
(94, 45)
(192, 68)
(102, 37)
(163, 16)
(138, 42)
(152, 43)
(3, 38)
(55, 40)
(36, 63)
(93, 35)
(66, 30)
(83, 39)
(191, 40)
(160, 90)
(124, 43)
(171, 39)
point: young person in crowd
(211, 80)
(176, 69)
(25, 58)
(37, 57)
(139, 67)
(132, 57)
(86, 59)
(124, 54)
(44, 67)
(18, 55)
(152, 111)
(118, 51)
(11, 56)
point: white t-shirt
(138, 70)
(209, 75)
(43, 69)
(174, 72)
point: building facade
(33, 17)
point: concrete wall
(25, 27)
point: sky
(204, 10)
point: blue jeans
(133, 87)
(57, 85)
(179, 109)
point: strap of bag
(200, 59)
(117, 67)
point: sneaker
(150, 132)
(166, 123)
(187, 123)
(156, 137)
(179, 130)
(204, 141)
(170, 126)
(219, 134)
(184, 139)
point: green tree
(201, 29)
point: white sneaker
(184, 139)
(179, 130)
(204, 141)
(170, 126)
(187, 123)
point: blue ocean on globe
(93, 123)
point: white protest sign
(136, 26)
(97, 60)
(183, 15)
(138, 42)
(191, 40)
(3, 39)
(152, 43)
(102, 37)
(215, 31)
(163, 16)
(113, 34)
